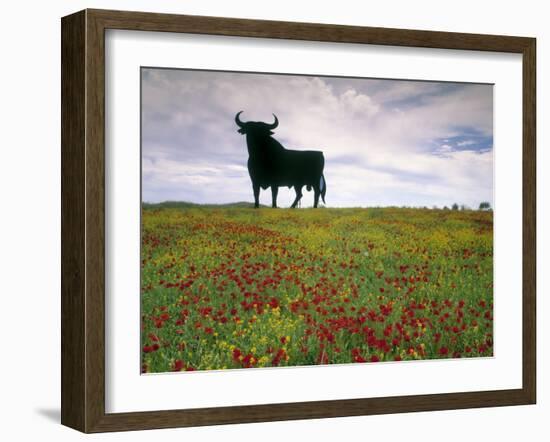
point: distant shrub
(485, 205)
(454, 206)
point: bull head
(255, 127)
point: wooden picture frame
(83, 220)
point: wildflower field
(226, 288)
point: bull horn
(238, 121)
(275, 124)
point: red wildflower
(178, 365)
(150, 348)
(236, 355)
(281, 354)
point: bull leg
(256, 189)
(317, 193)
(274, 191)
(298, 196)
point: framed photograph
(269, 220)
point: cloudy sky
(386, 142)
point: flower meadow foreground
(227, 288)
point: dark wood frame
(83, 220)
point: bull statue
(270, 164)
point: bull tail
(323, 187)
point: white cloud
(465, 143)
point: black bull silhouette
(271, 165)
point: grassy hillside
(241, 288)
(187, 205)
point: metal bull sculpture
(270, 164)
